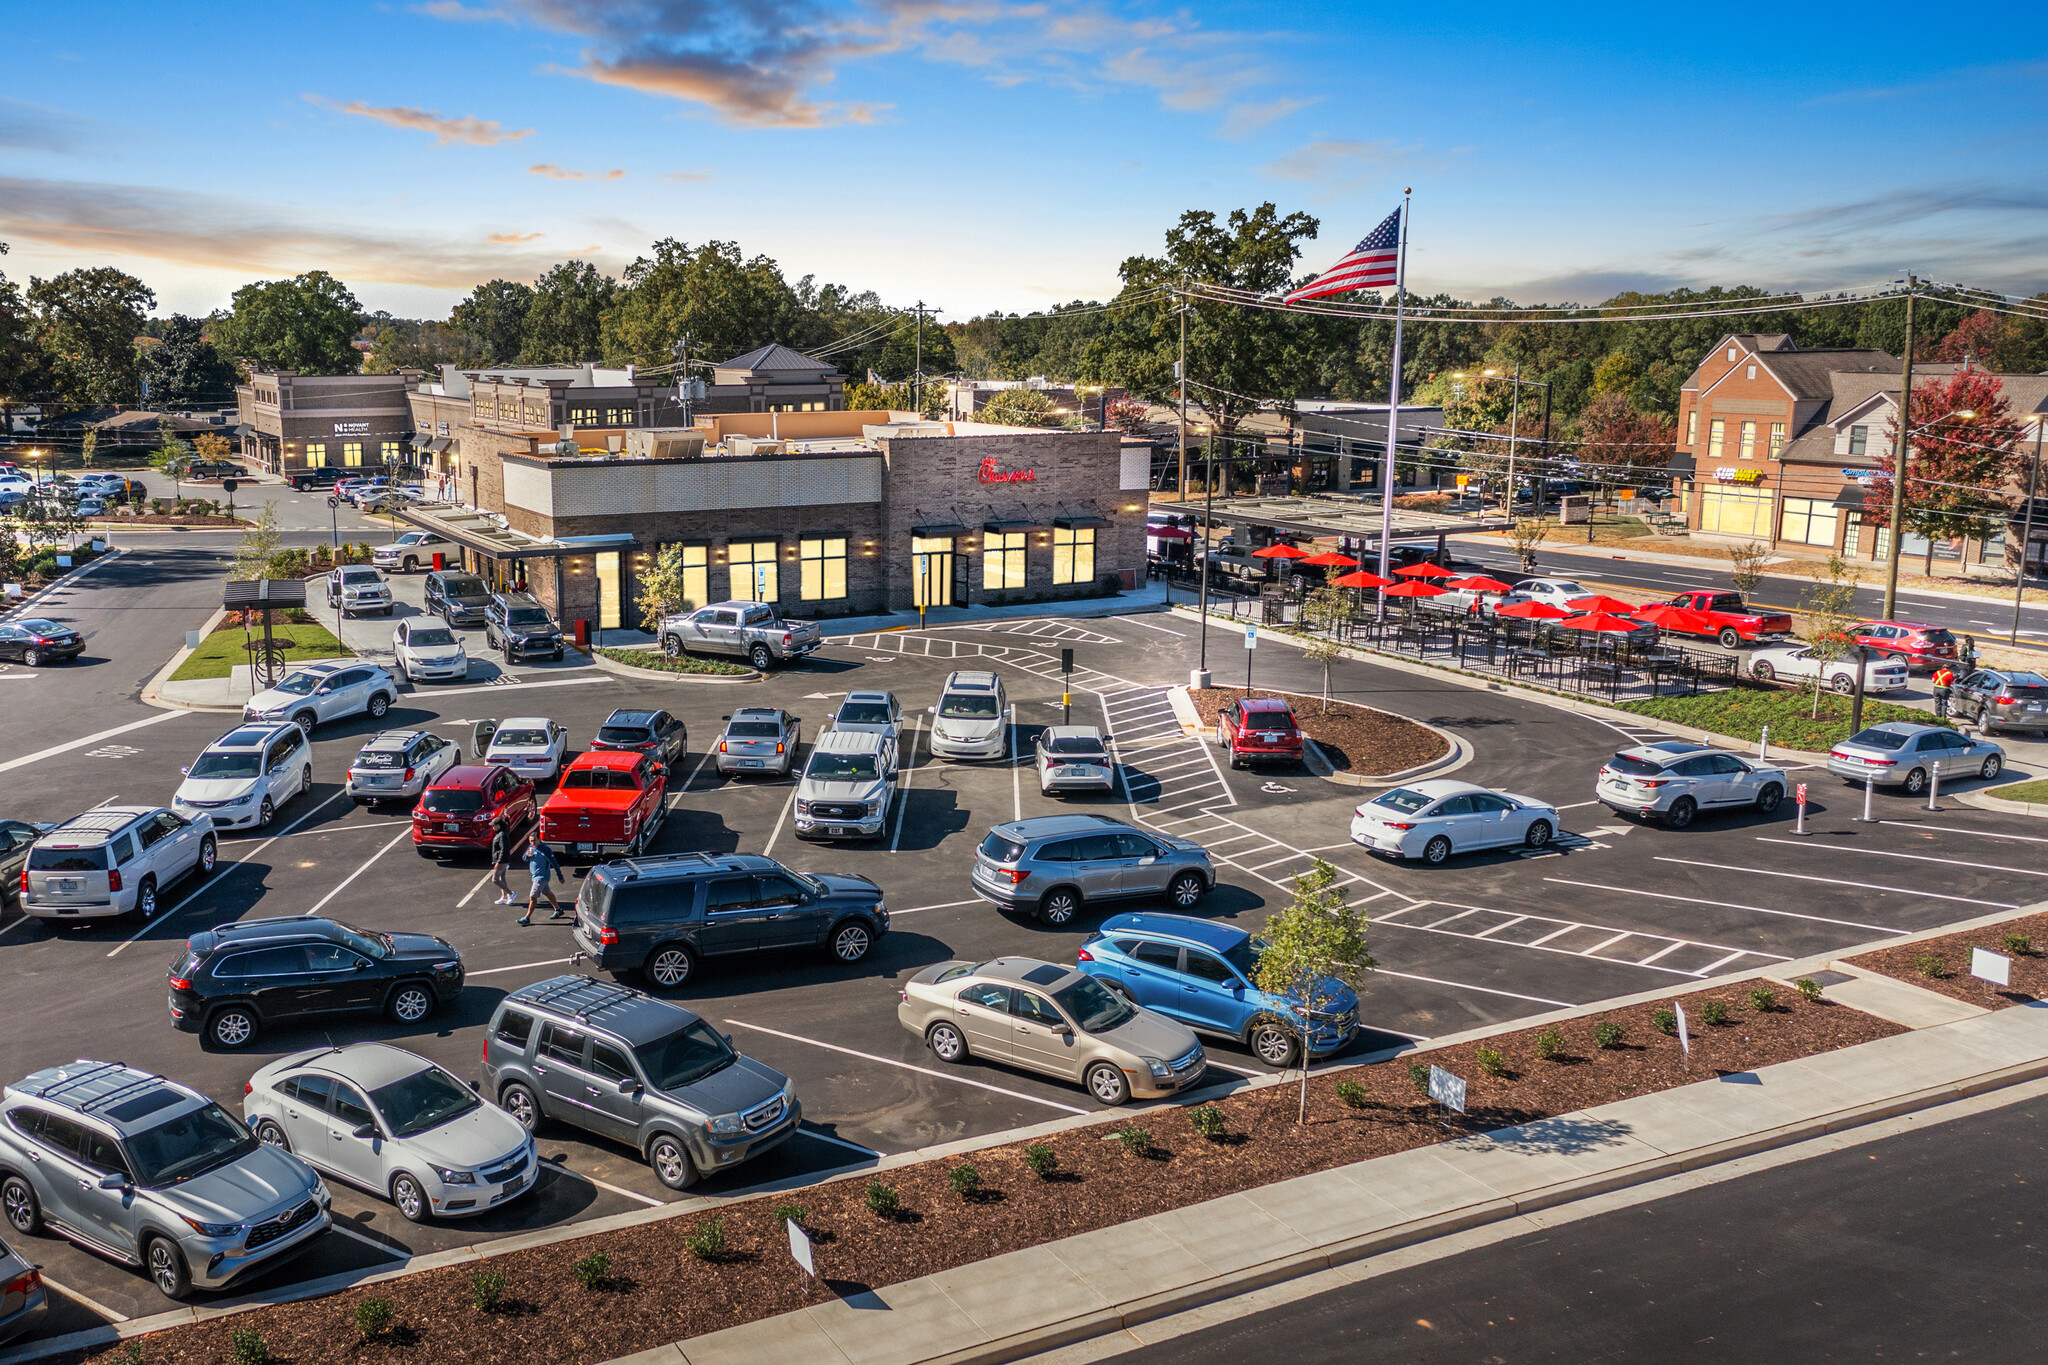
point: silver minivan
(115, 860)
(969, 721)
(848, 787)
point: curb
(598, 660)
(1456, 756)
(1988, 800)
(152, 695)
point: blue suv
(1200, 972)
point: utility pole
(917, 374)
(2019, 593)
(1899, 454)
(1514, 430)
(1201, 677)
(1180, 377)
(685, 386)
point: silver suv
(637, 1070)
(1672, 781)
(351, 591)
(1052, 864)
(115, 860)
(848, 787)
(398, 765)
(153, 1174)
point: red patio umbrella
(1424, 571)
(1534, 611)
(1594, 620)
(1412, 589)
(1168, 533)
(1279, 552)
(1361, 579)
(1330, 559)
(1684, 620)
(1609, 606)
(1478, 583)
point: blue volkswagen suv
(1200, 972)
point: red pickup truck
(1728, 619)
(608, 802)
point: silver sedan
(1900, 754)
(759, 740)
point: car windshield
(526, 616)
(685, 1057)
(863, 713)
(1091, 1005)
(426, 1099)
(754, 729)
(465, 589)
(1879, 739)
(598, 779)
(44, 859)
(454, 802)
(520, 739)
(188, 1145)
(1402, 799)
(227, 763)
(624, 734)
(300, 684)
(968, 706)
(435, 636)
(841, 768)
(365, 941)
(360, 576)
(1076, 745)
(1245, 956)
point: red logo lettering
(991, 474)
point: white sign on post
(800, 1247)
(1990, 966)
(1684, 1038)
(1251, 637)
(1446, 1089)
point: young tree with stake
(1315, 954)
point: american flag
(1373, 262)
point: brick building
(290, 421)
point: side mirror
(367, 1130)
(725, 717)
(629, 1086)
(113, 1180)
(186, 772)
(323, 691)
(931, 710)
(362, 964)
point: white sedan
(1797, 663)
(532, 746)
(1555, 592)
(1431, 820)
(428, 651)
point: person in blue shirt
(543, 869)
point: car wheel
(167, 1267)
(1538, 835)
(1222, 740)
(1761, 671)
(305, 780)
(411, 1003)
(672, 1165)
(1729, 638)
(410, 1198)
(1916, 781)
(760, 658)
(1108, 1083)
(946, 1043)
(672, 647)
(232, 1029)
(268, 1133)
(24, 1213)
(1436, 851)
(670, 966)
(1058, 906)
(404, 675)
(411, 565)
(1767, 800)
(851, 942)
(145, 900)
(32, 657)
(519, 1102)
(209, 853)
(1992, 766)
(304, 720)
(1681, 813)
(265, 813)
(379, 704)
(1843, 683)
(1275, 1045)
(1187, 890)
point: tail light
(787, 637)
(722, 749)
(1399, 824)
(1083, 955)
(1652, 783)
(408, 775)
(904, 995)
(1015, 874)
(608, 937)
(24, 879)
(183, 983)
(114, 879)
(2007, 701)
(248, 1087)
(29, 1281)
(778, 746)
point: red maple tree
(1961, 477)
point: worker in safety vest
(1944, 679)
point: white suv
(114, 860)
(1671, 782)
(322, 692)
(969, 720)
(412, 549)
(241, 778)
(353, 590)
(427, 650)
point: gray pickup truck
(753, 631)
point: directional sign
(333, 501)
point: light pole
(1514, 428)
(1899, 453)
(2019, 592)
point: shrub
(1713, 1012)
(1763, 999)
(1491, 1062)
(1608, 1034)
(2019, 945)
(1549, 1043)
(593, 1271)
(1042, 1160)
(1928, 965)
(1207, 1121)
(373, 1318)
(1665, 1021)
(486, 1289)
(882, 1201)
(131, 1354)
(707, 1240)
(247, 1347)
(964, 1180)
(791, 1213)
(1808, 988)
(1351, 1093)
(1134, 1140)
(1418, 1076)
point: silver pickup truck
(753, 631)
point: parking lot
(1613, 907)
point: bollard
(1933, 783)
(1868, 787)
(1763, 748)
(1799, 825)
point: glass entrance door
(608, 603)
(931, 571)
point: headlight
(243, 800)
(726, 1125)
(213, 1229)
(454, 1177)
(803, 808)
(1160, 1070)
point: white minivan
(241, 779)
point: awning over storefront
(487, 535)
(941, 528)
(440, 443)
(1850, 498)
(1082, 523)
(1011, 524)
(244, 429)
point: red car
(468, 807)
(1917, 646)
(1258, 730)
(608, 802)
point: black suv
(229, 981)
(215, 469)
(319, 476)
(460, 599)
(521, 627)
(658, 916)
(644, 732)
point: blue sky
(984, 154)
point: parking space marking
(907, 1066)
(1837, 881)
(1608, 935)
(1462, 986)
(691, 779)
(782, 816)
(1963, 829)
(86, 1299)
(947, 905)
(507, 687)
(1729, 905)
(1916, 857)
(355, 1235)
(1016, 769)
(522, 967)
(1134, 621)
(347, 829)
(66, 747)
(903, 783)
(403, 834)
(1237, 1070)
(837, 1142)
(473, 890)
(554, 1164)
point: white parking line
(1958, 829)
(473, 890)
(1134, 621)
(1837, 881)
(903, 784)
(921, 1070)
(1237, 1070)
(837, 1142)
(94, 1304)
(395, 1253)
(1916, 857)
(403, 834)
(776, 833)
(514, 687)
(692, 778)
(522, 967)
(947, 905)
(344, 829)
(602, 1184)
(1728, 905)
(1016, 768)
(69, 745)
(1483, 990)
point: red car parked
(468, 807)
(1916, 645)
(608, 802)
(1258, 730)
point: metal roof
(489, 535)
(1335, 515)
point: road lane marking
(1837, 881)
(69, 745)
(403, 834)
(1916, 857)
(522, 967)
(1729, 905)
(907, 1066)
(559, 1167)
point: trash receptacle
(437, 561)
(583, 634)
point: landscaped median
(1943, 964)
(298, 638)
(1742, 710)
(682, 665)
(1355, 739)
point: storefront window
(352, 454)
(1736, 510)
(585, 416)
(753, 570)
(931, 577)
(387, 451)
(1807, 521)
(1002, 560)
(618, 417)
(822, 562)
(608, 603)
(1073, 554)
(316, 454)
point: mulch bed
(1356, 739)
(658, 1292)
(2029, 971)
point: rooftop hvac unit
(664, 443)
(755, 445)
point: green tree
(1961, 466)
(1324, 612)
(307, 324)
(1315, 954)
(259, 546)
(24, 375)
(661, 591)
(89, 446)
(495, 314)
(404, 344)
(865, 397)
(727, 305)
(1619, 446)
(1829, 602)
(1020, 408)
(172, 456)
(183, 368)
(86, 324)
(564, 323)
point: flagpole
(1393, 414)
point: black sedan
(35, 642)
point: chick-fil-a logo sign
(990, 473)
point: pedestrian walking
(1944, 679)
(501, 868)
(544, 870)
(1969, 655)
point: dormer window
(1732, 353)
(1752, 372)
